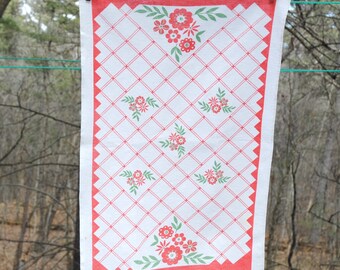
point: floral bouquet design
(139, 105)
(176, 141)
(180, 26)
(213, 176)
(217, 104)
(136, 179)
(173, 247)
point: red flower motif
(162, 245)
(138, 174)
(181, 140)
(166, 232)
(190, 246)
(219, 174)
(213, 101)
(173, 137)
(212, 180)
(187, 45)
(140, 181)
(173, 146)
(181, 18)
(173, 36)
(179, 239)
(131, 181)
(172, 255)
(140, 100)
(209, 173)
(224, 102)
(143, 107)
(133, 107)
(191, 29)
(160, 26)
(216, 108)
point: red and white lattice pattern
(134, 62)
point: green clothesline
(284, 70)
(37, 59)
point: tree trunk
(3, 6)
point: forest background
(40, 128)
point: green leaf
(173, 50)
(151, 14)
(126, 174)
(200, 178)
(192, 254)
(198, 36)
(204, 106)
(200, 10)
(159, 17)
(165, 144)
(146, 266)
(153, 258)
(157, 9)
(152, 102)
(128, 99)
(212, 10)
(139, 262)
(220, 15)
(177, 57)
(212, 17)
(176, 220)
(228, 109)
(136, 115)
(165, 11)
(145, 258)
(156, 263)
(147, 8)
(181, 151)
(155, 243)
(179, 226)
(180, 130)
(186, 259)
(134, 189)
(202, 17)
(140, 11)
(208, 258)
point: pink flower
(190, 246)
(209, 173)
(143, 107)
(216, 108)
(173, 146)
(173, 36)
(131, 181)
(212, 180)
(180, 140)
(219, 174)
(162, 245)
(224, 102)
(172, 255)
(213, 101)
(173, 137)
(138, 174)
(179, 239)
(191, 29)
(181, 18)
(166, 232)
(160, 26)
(133, 107)
(140, 181)
(140, 100)
(187, 45)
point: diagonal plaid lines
(133, 63)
